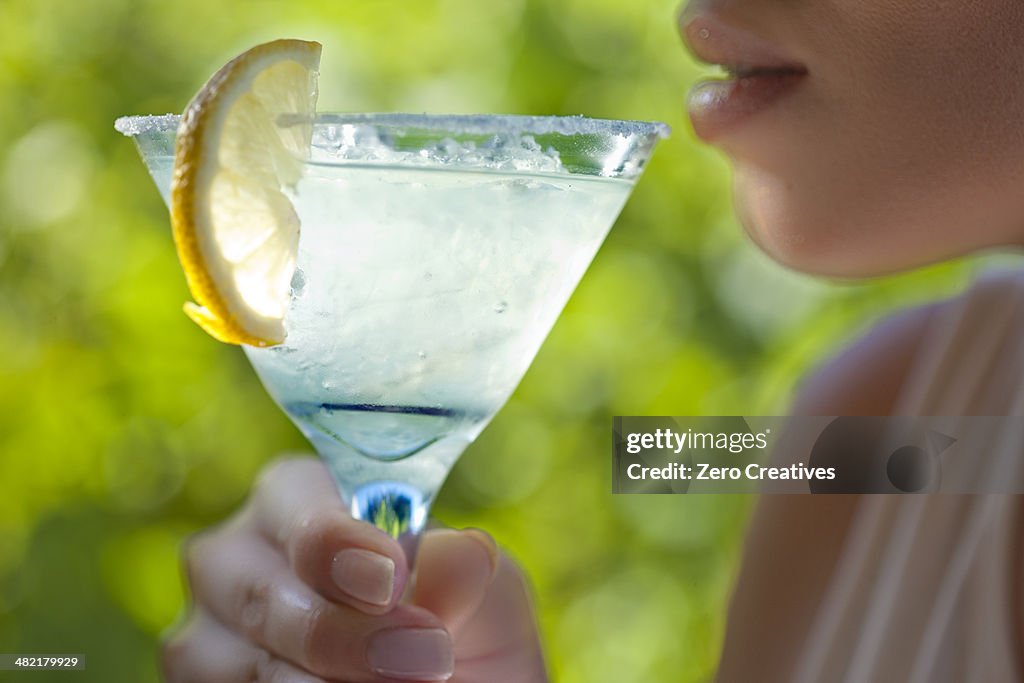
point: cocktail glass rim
(610, 144)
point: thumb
(454, 571)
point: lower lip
(717, 106)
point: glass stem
(398, 509)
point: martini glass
(436, 253)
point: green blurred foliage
(123, 428)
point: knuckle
(265, 482)
(253, 606)
(279, 469)
(317, 633)
(310, 535)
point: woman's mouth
(756, 75)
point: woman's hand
(291, 589)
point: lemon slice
(235, 230)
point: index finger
(296, 507)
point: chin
(812, 231)
(797, 234)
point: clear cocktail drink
(435, 255)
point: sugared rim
(479, 124)
(484, 124)
(147, 123)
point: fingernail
(487, 541)
(421, 654)
(364, 575)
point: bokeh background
(123, 428)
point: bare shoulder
(783, 574)
(867, 376)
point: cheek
(936, 85)
(796, 224)
(906, 147)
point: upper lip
(741, 53)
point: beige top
(926, 587)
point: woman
(875, 136)
(867, 137)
